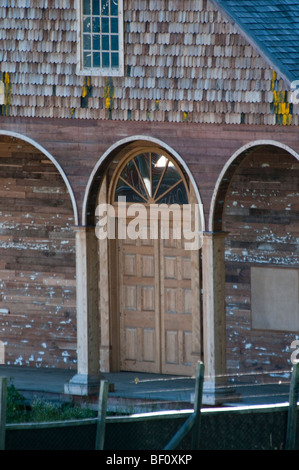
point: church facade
(156, 102)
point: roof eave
(275, 65)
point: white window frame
(100, 71)
(274, 298)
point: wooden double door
(155, 304)
(156, 279)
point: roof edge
(276, 65)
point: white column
(88, 376)
(214, 334)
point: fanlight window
(151, 178)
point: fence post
(3, 400)
(101, 424)
(292, 412)
(193, 422)
(200, 371)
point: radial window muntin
(150, 177)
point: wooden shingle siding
(183, 63)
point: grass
(39, 410)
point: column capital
(215, 234)
(83, 228)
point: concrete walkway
(138, 391)
(127, 389)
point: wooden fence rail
(100, 421)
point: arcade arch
(255, 204)
(151, 320)
(38, 291)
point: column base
(216, 395)
(83, 385)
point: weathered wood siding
(261, 216)
(192, 82)
(205, 149)
(37, 261)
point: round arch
(38, 273)
(130, 140)
(151, 255)
(226, 175)
(55, 163)
(244, 211)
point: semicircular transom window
(151, 178)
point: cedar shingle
(179, 52)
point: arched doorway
(37, 250)
(257, 206)
(154, 307)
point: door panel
(176, 307)
(139, 306)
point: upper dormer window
(101, 37)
